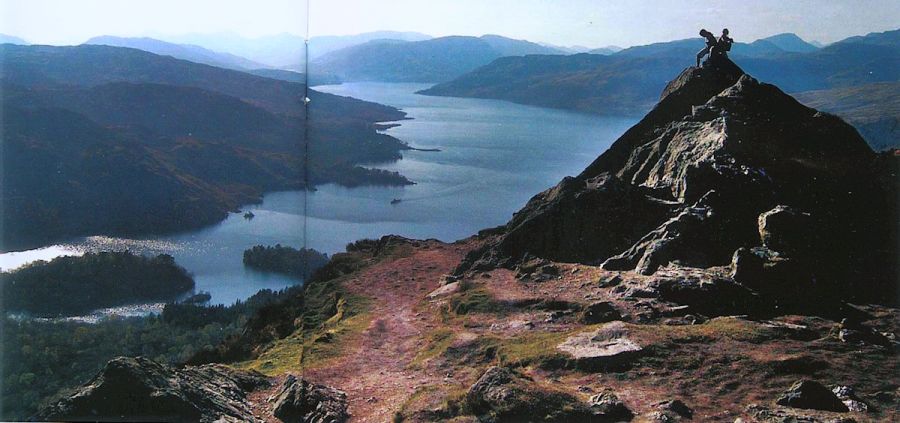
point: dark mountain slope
(584, 82)
(55, 163)
(695, 180)
(83, 156)
(172, 111)
(438, 59)
(874, 109)
(89, 65)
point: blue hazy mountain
(759, 48)
(437, 59)
(284, 51)
(792, 43)
(605, 50)
(512, 47)
(189, 52)
(319, 46)
(205, 56)
(575, 49)
(11, 39)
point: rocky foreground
(731, 258)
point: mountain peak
(791, 42)
(688, 185)
(695, 85)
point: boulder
(609, 282)
(669, 411)
(786, 230)
(298, 400)
(763, 414)
(705, 293)
(139, 389)
(600, 312)
(663, 244)
(678, 407)
(747, 265)
(811, 395)
(848, 396)
(501, 395)
(853, 332)
(605, 348)
(579, 220)
(607, 407)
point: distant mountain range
(764, 47)
(792, 43)
(190, 52)
(319, 46)
(604, 50)
(282, 51)
(434, 60)
(285, 51)
(627, 82)
(205, 56)
(112, 140)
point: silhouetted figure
(723, 45)
(710, 43)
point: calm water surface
(494, 157)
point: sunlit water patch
(135, 310)
(16, 259)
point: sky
(591, 23)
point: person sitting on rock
(723, 45)
(710, 43)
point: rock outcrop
(600, 312)
(501, 395)
(725, 168)
(811, 395)
(300, 401)
(669, 411)
(139, 389)
(607, 407)
(603, 349)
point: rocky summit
(724, 170)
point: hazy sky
(592, 23)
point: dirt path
(374, 371)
